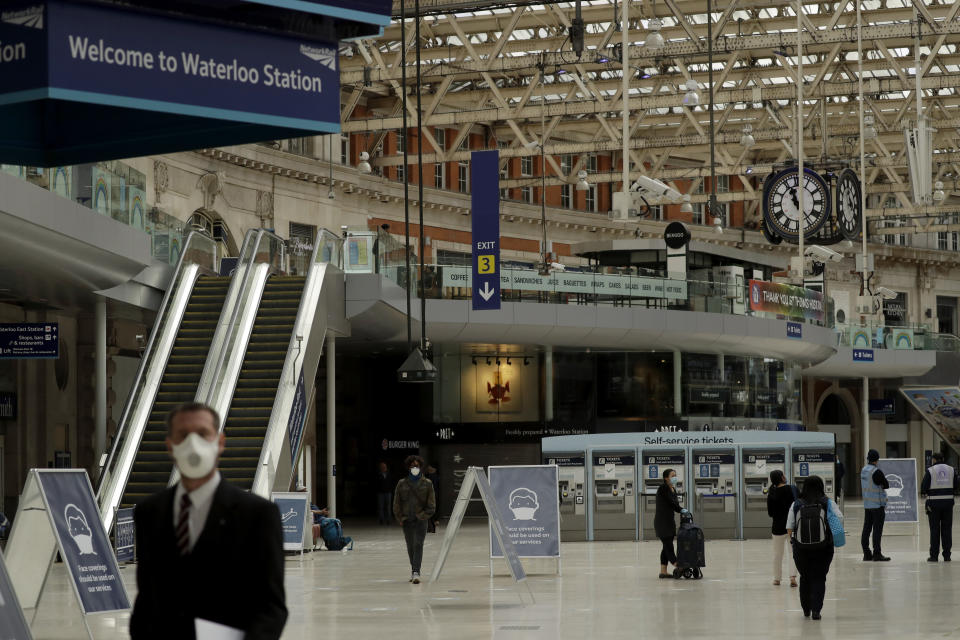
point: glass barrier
(112, 189)
(327, 248)
(199, 256)
(881, 336)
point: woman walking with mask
(414, 503)
(664, 520)
(779, 498)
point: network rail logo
(29, 17)
(324, 55)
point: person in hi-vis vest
(939, 485)
(874, 485)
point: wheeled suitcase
(690, 549)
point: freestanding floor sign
(476, 478)
(124, 535)
(530, 503)
(903, 497)
(58, 511)
(13, 624)
(295, 517)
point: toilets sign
(485, 215)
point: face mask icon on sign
(78, 529)
(524, 503)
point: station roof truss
(507, 70)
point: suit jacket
(233, 576)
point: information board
(903, 499)
(13, 624)
(527, 497)
(295, 518)
(485, 219)
(83, 542)
(940, 407)
(29, 341)
(124, 535)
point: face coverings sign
(528, 497)
(13, 625)
(940, 407)
(72, 524)
(902, 497)
(295, 516)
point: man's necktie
(183, 525)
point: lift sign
(29, 341)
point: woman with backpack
(779, 499)
(808, 524)
(664, 520)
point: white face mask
(196, 456)
(414, 471)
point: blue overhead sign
(295, 422)
(863, 355)
(125, 77)
(29, 340)
(794, 330)
(485, 214)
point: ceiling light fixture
(747, 140)
(686, 207)
(717, 226)
(654, 39)
(488, 361)
(364, 165)
(692, 97)
(582, 184)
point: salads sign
(574, 282)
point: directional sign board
(296, 517)
(13, 624)
(29, 340)
(485, 212)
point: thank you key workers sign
(529, 500)
(485, 215)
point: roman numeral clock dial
(849, 211)
(781, 204)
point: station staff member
(874, 485)
(939, 485)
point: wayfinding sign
(528, 499)
(124, 535)
(485, 215)
(294, 518)
(29, 340)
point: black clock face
(782, 204)
(849, 212)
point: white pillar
(547, 384)
(100, 386)
(866, 417)
(332, 424)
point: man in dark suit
(206, 550)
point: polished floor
(607, 590)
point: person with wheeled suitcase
(664, 520)
(690, 548)
(810, 524)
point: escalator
(152, 465)
(259, 378)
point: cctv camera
(886, 294)
(655, 187)
(822, 253)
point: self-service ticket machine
(755, 476)
(614, 496)
(652, 466)
(715, 492)
(815, 462)
(573, 497)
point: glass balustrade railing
(199, 257)
(116, 190)
(883, 336)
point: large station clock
(781, 204)
(849, 210)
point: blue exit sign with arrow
(485, 202)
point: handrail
(116, 470)
(307, 337)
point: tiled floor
(607, 590)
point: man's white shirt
(201, 500)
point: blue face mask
(675, 480)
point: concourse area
(606, 590)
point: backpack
(332, 533)
(812, 530)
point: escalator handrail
(122, 435)
(293, 360)
(217, 343)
